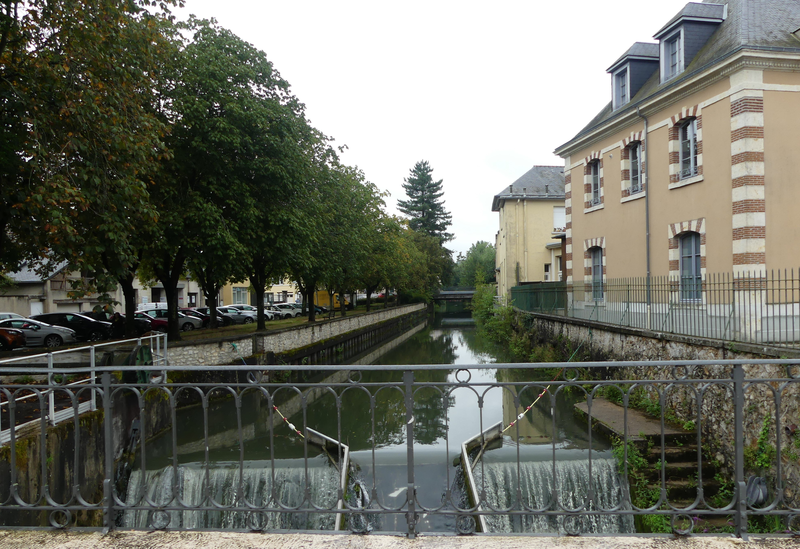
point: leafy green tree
(81, 139)
(239, 147)
(477, 267)
(425, 207)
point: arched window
(691, 279)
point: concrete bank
(223, 540)
(221, 351)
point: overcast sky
(481, 90)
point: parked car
(290, 308)
(156, 324)
(239, 317)
(185, 322)
(142, 325)
(204, 318)
(222, 318)
(39, 333)
(277, 313)
(3, 316)
(11, 338)
(86, 329)
(252, 311)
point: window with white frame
(691, 279)
(547, 272)
(636, 167)
(688, 148)
(595, 182)
(597, 273)
(672, 56)
(240, 296)
(621, 87)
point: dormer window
(672, 56)
(621, 87)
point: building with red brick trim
(690, 168)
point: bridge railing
(673, 447)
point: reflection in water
(369, 415)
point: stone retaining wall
(714, 400)
(222, 350)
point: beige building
(531, 212)
(237, 293)
(689, 169)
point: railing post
(738, 418)
(108, 447)
(411, 494)
(93, 380)
(51, 397)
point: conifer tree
(424, 206)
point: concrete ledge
(726, 347)
(226, 540)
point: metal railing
(84, 362)
(229, 449)
(746, 308)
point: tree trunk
(126, 283)
(370, 289)
(169, 273)
(211, 300)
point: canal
(545, 456)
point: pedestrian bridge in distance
(462, 294)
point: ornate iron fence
(762, 309)
(617, 447)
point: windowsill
(636, 196)
(594, 208)
(685, 182)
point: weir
(276, 494)
(524, 488)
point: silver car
(185, 322)
(249, 310)
(40, 333)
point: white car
(249, 310)
(290, 308)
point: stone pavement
(40, 539)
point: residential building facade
(531, 212)
(690, 168)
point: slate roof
(640, 50)
(757, 24)
(32, 273)
(538, 183)
(696, 10)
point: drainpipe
(647, 216)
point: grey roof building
(540, 182)
(720, 29)
(690, 168)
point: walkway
(223, 540)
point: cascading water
(219, 485)
(529, 487)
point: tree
(239, 147)
(477, 267)
(424, 206)
(80, 135)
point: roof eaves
(631, 107)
